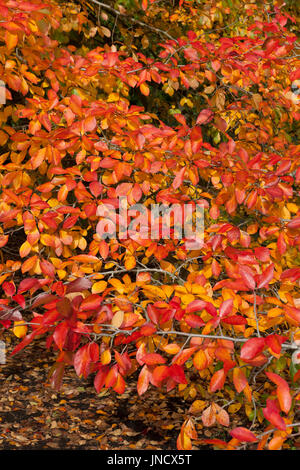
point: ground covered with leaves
(138, 336)
(35, 417)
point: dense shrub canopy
(188, 103)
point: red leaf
(183, 356)
(100, 378)
(266, 277)
(82, 361)
(243, 435)
(93, 350)
(47, 268)
(60, 334)
(79, 285)
(89, 124)
(226, 307)
(20, 299)
(281, 245)
(194, 321)
(262, 253)
(205, 116)
(43, 299)
(92, 302)
(160, 373)
(9, 288)
(295, 223)
(217, 381)
(176, 372)
(152, 359)
(196, 306)
(112, 376)
(57, 375)
(247, 277)
(271, 413)
(235, 320)
(283, 391)
(252, 348)
(64, 307)
(120, 385)
(274, 342)
(179, 178)
(27, 284)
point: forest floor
(33, 416)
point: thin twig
(141, 23)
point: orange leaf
(144, 89)
(11, 40)
(86, 259)
(38, 158)
(239, 379)
(200, 360)
(209, 416)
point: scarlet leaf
(217, 381)
(252, 348)
(205, 116)
(271, 413)
(196, 306)
(226, 308)
(100, 378)
(92, 302)
(79, 285)
(243, 435)
(82, 361)
(266, 277)
(28, 284)
(283, 391)
(179, 178)
(60, 334)
(247, 277)
(152, 359)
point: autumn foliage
(159, 102)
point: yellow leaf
(172, 348)
(105, 357)
(144, 89)
(113, 97)
(25, 249)
(197, 407)
(19, 329)
(130, 262)
(234, 408)
(99, 287)
(117, 319)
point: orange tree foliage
(195, 103)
